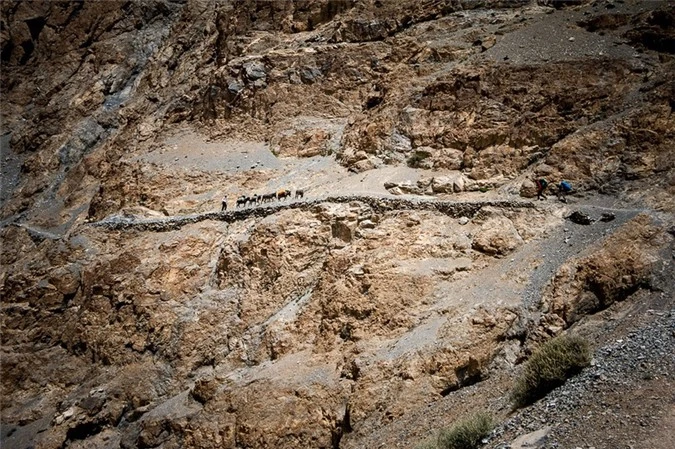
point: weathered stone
(235, 86)
(309, 75)
(337, 320)
(544, 170)
(66, 279)
(449, 158)
(367, 224)
(528, 189)
(205, 389)
(497, 236)
(254, 70)
(448, 184)
(532, 440)
(404, 187)
(580, 218)
(364, 165)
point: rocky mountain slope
(406, 287)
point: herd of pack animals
(256, 199)
(564, 188)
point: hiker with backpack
(563, 189)
(541, 187)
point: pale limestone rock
(544, 170)
(449, 158)
(532, 440)
(452, 183)
(497, 236)
(528, 189)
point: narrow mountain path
(378, 203)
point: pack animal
(241, 201)
(283, 194)
(299, 193)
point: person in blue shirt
(563, 189)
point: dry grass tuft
(549, 367)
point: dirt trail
(380, 203)
(504, 283)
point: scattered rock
(580, 218)
(309, 75)
(235, 86)
(532, 440)
(404, 187)
(254, 70)
(488, 43)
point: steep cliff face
(136, 315)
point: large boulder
(497, 236)
(528, 189)
(428, 157)
(405, 187)
(452, 183)
(304, 143)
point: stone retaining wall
(379, 204)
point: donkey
(299, 193)
(283, 194)
(242, 201)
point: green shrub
(466, 434)
(554, 362)
(417, 158)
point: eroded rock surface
(400, 290)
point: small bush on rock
(466, 434)
(417, 158)
(554, 362)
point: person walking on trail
(563, 189)
(541, 188)
(223, 206)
